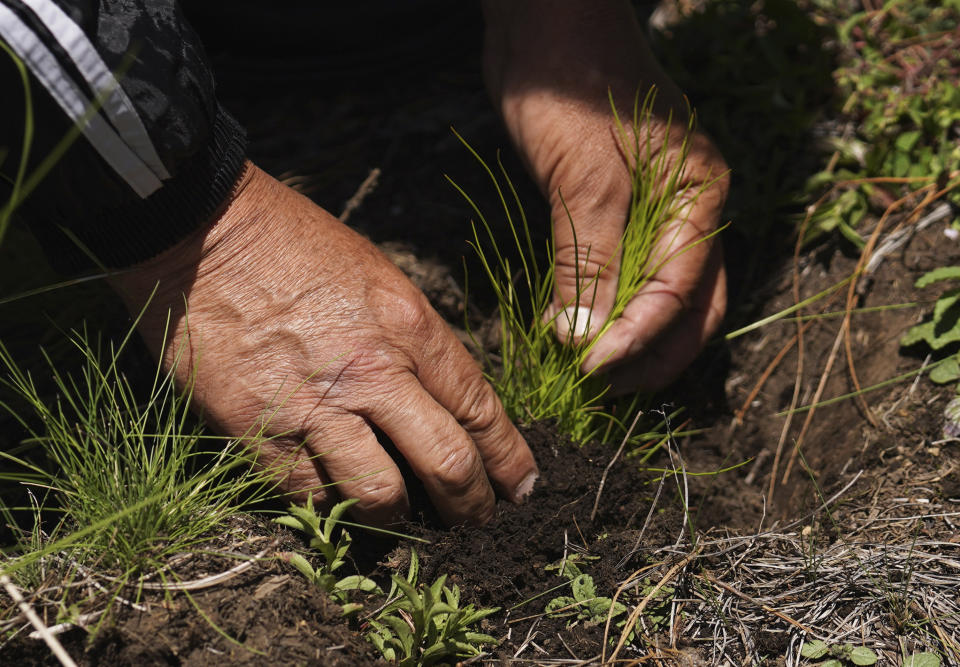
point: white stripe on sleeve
(116, 104)
(25, 43)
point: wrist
(572, 54)
(170, 273)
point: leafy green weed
(423, 625)
(837, 655)
(897, 88)
(584, 604)
(943, 329)
(334, 553)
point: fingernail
(525, 487)
(576, 319)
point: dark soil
(505, 564)
(326, 144)
(266, 614)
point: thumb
(587, 232)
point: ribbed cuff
(135, 232)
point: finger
(453, 378)
(588, 256)
(346, 449)
(279, 448)
(681, 258)
(439, 451)
(666, 356)
(295, 469)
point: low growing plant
(925, 659)
(537, 376)
(124, 468)
(333, 553)
(424, 625)
(941, 334)
(896, 86)
(943, 329)
(585, 605)
(113, 482)
(837, 655)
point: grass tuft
(537, 376)
(116, 482)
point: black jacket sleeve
(156, 155)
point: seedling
(538, 376)
(837, 655)
(941, 333)
(943, 329)
(334, 553)
(585, 605)
(119, 481)
(423, 625)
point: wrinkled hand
(549, 66)
(291, 317)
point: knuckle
(586, 258)
(361, 362)
(457, 470)
(411, 313)
(364, 370)
(580, 270)
(378, 494)
(481, 410)
(599, 189)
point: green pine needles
(537, 376)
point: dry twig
(48, 638)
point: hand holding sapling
(549, 67)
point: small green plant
(585, 605)
(837, 655)
(537, 376)
(895, 86)
(939, 334)
(114, 480)
(943, 329)
(125, 469)
(424, 625)
(924, 659)
(334, 553)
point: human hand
(549, 67)
(285, 315)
